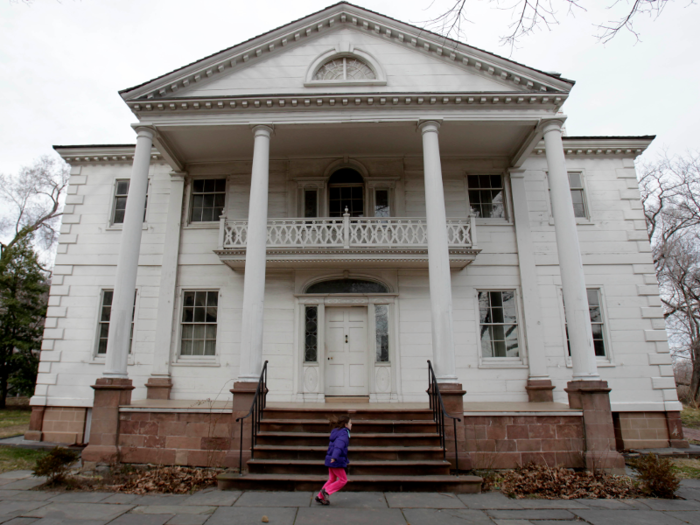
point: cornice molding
(600, 146)
(292, 103)
(118, 154)
(467, 57)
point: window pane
(381, 203)
(599, 347)
(102, 348)
(197, 347)
(210, 348)
(199, 323)
(575, 180)
(123, 187)
(498, 324)
(212, 298)
(311, 334)
(382, 337)
(208, 200)
(597, 324)
(310, 203)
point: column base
(675, 430)
(540, 391)
(36, 424)
(158, 388)
(453, 398)
(103, 444)
(593, 398)
(243, 394)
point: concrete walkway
(20, 505)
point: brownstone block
(139, 416)
(175, 442)
(148, 428)
(571, 459)
(540, 458)
(517, 432)
(496, 432)
(131, 440)
(542, 432)
(197, 430)
(158, 388)
(154, 441)
(539, 391)
(129, 427)
(570, 431)
(68, 438)
(215, 443)
(529, 445)
(36, 420)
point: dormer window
(344, 69)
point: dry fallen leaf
(265, 520)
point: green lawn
(12, 458)
(14, 422)
(691, 416)
(687, 468)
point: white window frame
(501, 362)
(319, 187)
(195, 360)
(204, 225)
(345, 50)
(111, 225)
(586, 202)
(507, 208)
(100, 358)
(602, 361)
(371, 193)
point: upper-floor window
(121, 192)
(578, 195)
(343, 69)
(486, 196)
(208, 199)
(595, 310)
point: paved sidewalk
(19, 505)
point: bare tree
(530, 15)
(32, 202)
(670, 192)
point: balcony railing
(347, 232)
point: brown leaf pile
(173, 480)
(561, 483)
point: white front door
(346, 351)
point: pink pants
(336, 480)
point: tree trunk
(694, 391)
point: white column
(532, 312)
(168, 277)
(573, 281)
(438, 257)
(256, 254)
(128, 261)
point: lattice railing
(347, 232)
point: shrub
(656, 475)
(55, 464)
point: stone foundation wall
(501, 442)
(640, 430)
(171, 438)
(64, 425)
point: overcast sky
(62, 63)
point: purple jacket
(338, 448)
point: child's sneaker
(322, 498)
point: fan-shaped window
(347, 286)
(343, 69)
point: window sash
(381, 326)
(208, 200)
(498, 324)
(595, 311)
(311, 334)
(198, 324)
(121, 192)
(487, 195)
(104, 320)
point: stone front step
(359, 453)
(367, 439)
(373, 483)
(357, 413)
(356, 467)
(360, 426)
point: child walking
(336, 458)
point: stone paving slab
(513, 522)
(121, 499)
(328, 515)
(220, 498)
(67, 521)
(253, 516)
(274, 499)
(551, 504)
(689, 493)
(13, 509)
(188, 519)
(532, 514)
(446, 517)
(16, 474)
(173, 509)
(25, 495)
(489, 500)
(686, 516)
(86, 511)
(423, 500)
(612, 504)
(81, 497)
(692, 483)
(25, 484)
(358, 500)
(140, 519)
(161, 499)
(671, 504)
(19, 521)
(632, 517)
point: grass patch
(687, 468)
(690, 416)
(12, 458)
(14, 422)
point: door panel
(346, 351)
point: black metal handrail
(256, 410)
(439, 414)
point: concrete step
(355, 452)
(357, 413)
(383, 426)
(367, 439)
(378, 483)
(356, 468)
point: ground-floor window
(381, 316)
(311, 334)
(498, 326)
(199, 314)
(103, 323)
(595, 310)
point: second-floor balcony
(348, 241)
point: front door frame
(367, 344)
(383, 378)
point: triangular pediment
(406, 59)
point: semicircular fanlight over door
(347, 286)
(346, 189)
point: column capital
(517, 173)
(426, 126)
(178, 175)
(552, 125)
(263, 129)
(143, 130)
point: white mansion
(347, 197)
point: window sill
(580, 221)
(493, 222)
(200, 362)
(213, 225)
(120, 227)
(100, 360)
(502, 362)
(601, 362)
